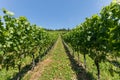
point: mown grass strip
(60, 67)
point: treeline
(63, 29)
(98, 37)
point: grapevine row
(98, 36)
(19, 39)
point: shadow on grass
(116, 64)
(24, 70)
(78, 69)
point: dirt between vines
(36, 73)
(39, 69)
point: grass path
(59, 68)
(55, 66)
(59, 64)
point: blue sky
(54, 14)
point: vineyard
(99, 38)
(90, 51)
(21, 44)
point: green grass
(104, 68)
(59, 68)
(7, 75)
